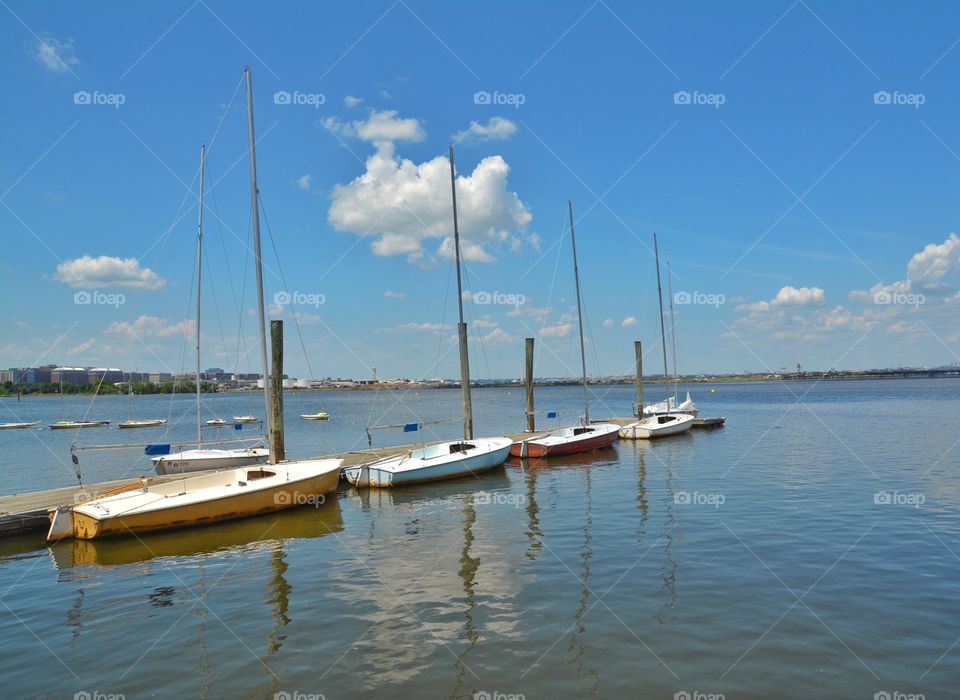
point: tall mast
(261, 310)
(673, 334)
(203, 157)
(583, 354)
(461, 327)
(663, 335)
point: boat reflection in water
(249, 534)
(434, 581)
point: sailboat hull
(434, 463)
(567, 441)
(203, 459)
(113, 517)
(657, 427)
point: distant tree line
(168, 387)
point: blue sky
(799, 163)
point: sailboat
(137, 423)
(17, 426)
(202, 458)
(669, 422)
(672, 404)
(585, 437)
(74, 424)
(445, 460)
(227, 495)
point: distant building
(68, 375)
(104, 375)
(159, 377)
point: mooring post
(638, 350)
(528, 380)
(276, 379)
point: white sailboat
(672, 404)
(202, 458)
(197, 500)
(445, 460)
(132, 422)
(669, 422)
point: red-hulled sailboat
(586, 437)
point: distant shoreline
(803, 377)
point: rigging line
(243, 290)
(273, 244)
(556, 266)
(216, 305)
(476, 325)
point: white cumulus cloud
(405, 206)
(788, 296)
(55, 55)
(303, 182)
(351, 101)
(378, 127)
(496, 129)
(628, 322)
(107, 271)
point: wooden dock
(28, 512)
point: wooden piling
(528, 380)
(276, 380)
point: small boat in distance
(315, 416)
(244, 419)
(73, 424)
(147, 423)
(17, 426)
(216, 422)
(587, 437)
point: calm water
(753, 561)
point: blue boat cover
(411, 428)
(154, 450)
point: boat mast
(583, 354)
(663, 335)
(261, 310)
(673, 334)
(461, 327)
(203, 155)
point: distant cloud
(926, 271)
(496, 129)
(82, 347)
(609, 323)
(351, 101)
(561, 330)
(378, 127)
(788, 296)
(55, 55)
(394, 295)
(106, 271)
(149, 327)
(628, 322)
(303, 182)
